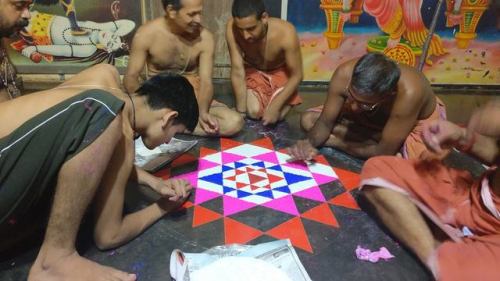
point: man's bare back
(411, 86)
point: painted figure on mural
(48, 36)
(403, 19)
(69, 9)
(466, 15)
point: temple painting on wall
(465, 48)
(66, 36)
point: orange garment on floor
(195, 81)
(414, 145)
(267, 85)
(452, 200)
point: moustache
(22, 23)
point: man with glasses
(374, 107)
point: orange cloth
(195, 81)
(266, 85)
(414, 145)
(452, 200)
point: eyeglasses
(363, 105)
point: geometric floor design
(232, 182)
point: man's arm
(293, 60)
(112, 228)
(322, 129)
(208, 123)
(401, 122)
(237, 70)
(137, 60)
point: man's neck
(177, 31)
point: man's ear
(168, 118)
(264, 17)
(170, 11)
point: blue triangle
(214, 178)
(242, 193)
(226, 168)
(259, 164)
(239, 165)
(276, 168)
(226, 189)
(293, 178)
(284, 189)
(267, 194)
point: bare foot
(74, 267)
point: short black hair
(173, 91)
(375, 74)
(176, 4)
(246, 8)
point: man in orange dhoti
(266, 65)
(464, 209)
(374, 107)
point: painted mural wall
(464, 50)
(66, 36)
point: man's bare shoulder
(345, 69)
(152, 28)
(413, 84)
(282, 27)
(207, 37)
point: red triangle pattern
(163, 173)
(232, 178)
(345, 200)
(322, 160)
(183, 159)
(254, 187)
(322, 214)
(348, 179)
(272, 178)
(264, 142)
(240, 185)
(203, 215)
(236, 232)
(187, 205)
(255, 178)
(226, 144)
(293, 230)
(206, 151)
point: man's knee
(374, 194)
(307, 120)
(254, 111)
(233, 123)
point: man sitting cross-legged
(467, 210)
(67, 144)
(178, 43)
(374, 107)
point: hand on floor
(302, 150)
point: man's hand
(270, 116)
(209, 123)
(440, 135)
(302, 150)
(173, 189)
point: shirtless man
(178, 43)
(64, 145)
(374, 107)
(266, 65)
(14, 16)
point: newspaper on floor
(279, 253)
(152, 160)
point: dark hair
(375, 74)
(246, 8)
(173, 91)
(176, 4)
